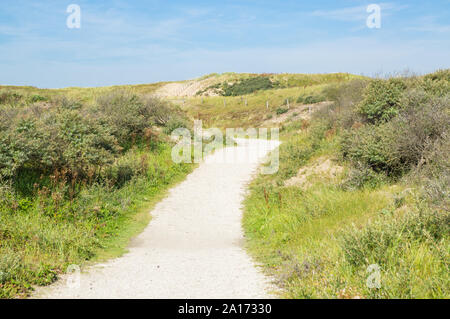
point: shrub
(382, 100)
(281, 110)
(174, 123)
(397, 146)
(360, 176)
(346, 97)
(66, 103)
(422, 120)
(37, 98)
(247, 86)
(124, 169)
(372, 146)
(370, 244)
(129, 116)
(310, 99)
(9, 97)
(61, 139)
(437, 84)
(300, 99)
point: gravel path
(192, 247)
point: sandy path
(192, 247)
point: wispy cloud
(429, 24)
(152, 40)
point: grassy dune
(79, 171)
(385, 213)
(362, 184)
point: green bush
(397, 146)
(371, 243)
(247, 86)
(37, 98)
(281, 110)
(9, 97)
(360, 176)
(372, 146)
(382, 100)
(129, 116)
(61, 139)
(310, 99)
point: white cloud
(429, 24)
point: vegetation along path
(192, 248)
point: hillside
(361, 192)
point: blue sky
(127, 42)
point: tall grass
(325, 240)
(76, 181)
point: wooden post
(246, 102)
(224, 102)
(267, 104)
(288, 103)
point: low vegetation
(76, 180)
(387, 212)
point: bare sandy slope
(192, 248)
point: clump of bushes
(397, 146)
(37, 98)
(382, 100)
(10, 97)
(281, 110)
(310, 99)
(247, 86)
(372, 242)
(71, 177)
(82, 140)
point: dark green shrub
(281, 110)
(382, 100)
(399, 145)
(37, 98)
(247, 86)
(62, 139)
(372, 145)
(310, 99)
(313, 99)
(129, 116)
(300, 99)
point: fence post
(288, 104)
(267, 104)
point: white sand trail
(193, 246)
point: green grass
(223, 112)
(319, 241)
(37, 245)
